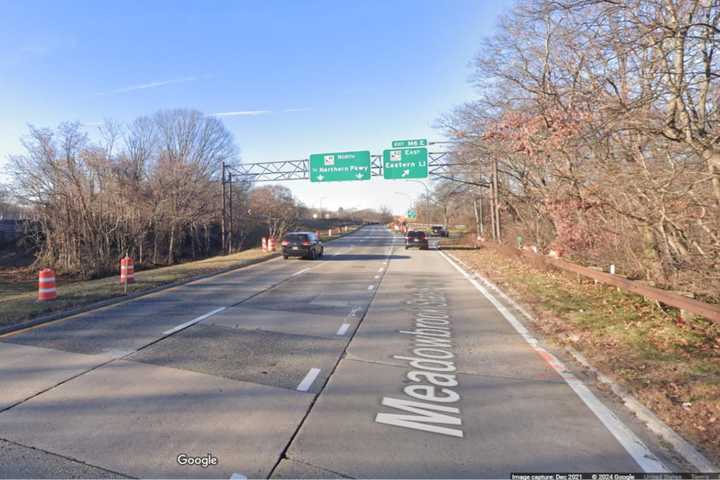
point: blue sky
(301, 77)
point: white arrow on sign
(405, 173)
(320, 178)
(359, 176)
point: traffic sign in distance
(420, 142)
(340, 166)
(411, 214)
(405, 163)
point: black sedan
(416, 238)
(302, 244)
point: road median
(20, 309)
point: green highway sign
(405, 163)
(411, 214)
(421, 142)
(340, 166)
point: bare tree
(155, 182)
(274, 208)
(602, 120)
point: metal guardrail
(707, 310)
(672, 299)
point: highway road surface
(374, 362)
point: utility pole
(480, 230)
(230, 230)
(427, 208)
(492, 212)
(496, 207)
(427, 200)
(222, 223)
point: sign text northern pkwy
(340, 166)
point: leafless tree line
(150, 189)
(602, 119)
(8, 209)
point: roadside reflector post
(612, 272)
(264, 244)
(46, 285)
(329, 232)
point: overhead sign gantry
(410, 160)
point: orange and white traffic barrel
(329, 232)
(127, 270)
(271, 244)
(46, 285)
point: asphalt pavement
(374, 362)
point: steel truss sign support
(439, 164)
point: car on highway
(302, 244)
(416, 238)
(439, 231)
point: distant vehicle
(416, 238)
(302, 244)
(439, 231)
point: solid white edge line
(194, 321)
(626, 437)
(681, 446)
(343, 329)
(308, 380)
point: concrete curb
(684, 448)
(133, 296)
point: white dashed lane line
(370, 287)
(343, 329)
(308, 380)
(300, 271)
(193, 322)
